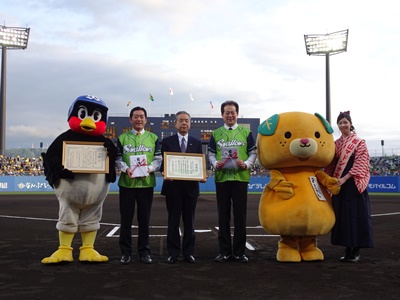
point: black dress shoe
(222, 258)
(348, 254)
(146, 259)
(242, 258)
(172, 260)
(190, 259)
(354, 259)
(125, 259)
(355, 255)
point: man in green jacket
(232, 152)
(139, 156)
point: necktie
(230, 128)
(138, 133)
(183, 146)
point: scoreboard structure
(200, 128)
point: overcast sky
(251, 51)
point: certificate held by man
(184, 166)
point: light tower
(326, 45)
(10, 38)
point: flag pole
(211, 107)
(150, 99)
(190, 101)
(171, 92)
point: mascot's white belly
(81, 202)
(84, 189)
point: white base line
(387, 214)
(117, 226)
(27, 218)
(250, 247)
(111, 233)
(115, 229)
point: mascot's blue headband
(268, 127)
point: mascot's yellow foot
(63, 254)
(309, 250)
(312, 254)
(288, 249)
(88, 254)
(288, 255)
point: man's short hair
(229, 102)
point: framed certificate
(185, 166)
(85, 157)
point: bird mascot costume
(296, 204)
(80, 195)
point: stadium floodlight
(326, 45)
(10, 38)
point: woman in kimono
(351, 165)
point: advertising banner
(377, 184)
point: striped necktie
(183, 146)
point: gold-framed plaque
(185, 166)
(85, 157)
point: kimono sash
(346, 149)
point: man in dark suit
(180, 195)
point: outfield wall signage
(377, 184)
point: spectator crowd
(21, 166)
(24, 166)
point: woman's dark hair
(346, 115)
